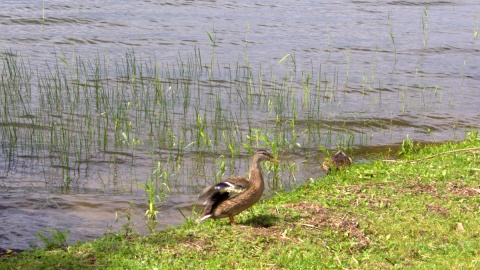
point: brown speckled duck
(234, 195)
(338, 161)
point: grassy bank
(418, 210)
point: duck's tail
(202, 218)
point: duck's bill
(274, 160)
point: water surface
(378, 71)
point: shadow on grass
(264, 221)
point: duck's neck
(256, 173)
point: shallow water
(423, 82)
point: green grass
(400, 213)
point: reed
(213, 39)
(475, 26)
(425, 25)
(392, 37)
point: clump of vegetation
(57, 239)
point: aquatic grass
(43, 13)
(88, 110)
(475, 26)
(213, 39)
(425, 24)
(347, 59)
(392, 37)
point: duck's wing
(227, 189)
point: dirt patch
(316, 216)
(437, 209)
(206, 243)
(269, 234)
(462, 190)
(453, 188)
(365, 198)
(358, 189)
(372, 202)
(198, 244)
(422, 188)
(309, 209)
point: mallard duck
(338, 161)
(234, 195)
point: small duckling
(338, 161)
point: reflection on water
(362, 74)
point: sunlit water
(401, 68)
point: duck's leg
(232, 221)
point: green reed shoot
(43, 13)
(475, 26)
(151, 212)
(247, 63)
(347, 59)
(221, 168)
(292, 169)
(292, 58)
(425, 24)
(213, 39)
(127, 227)
(392, 37)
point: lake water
(361, 75)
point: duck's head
(262, 155)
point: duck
(236, 194)
(338, 161)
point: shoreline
(419, 211)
